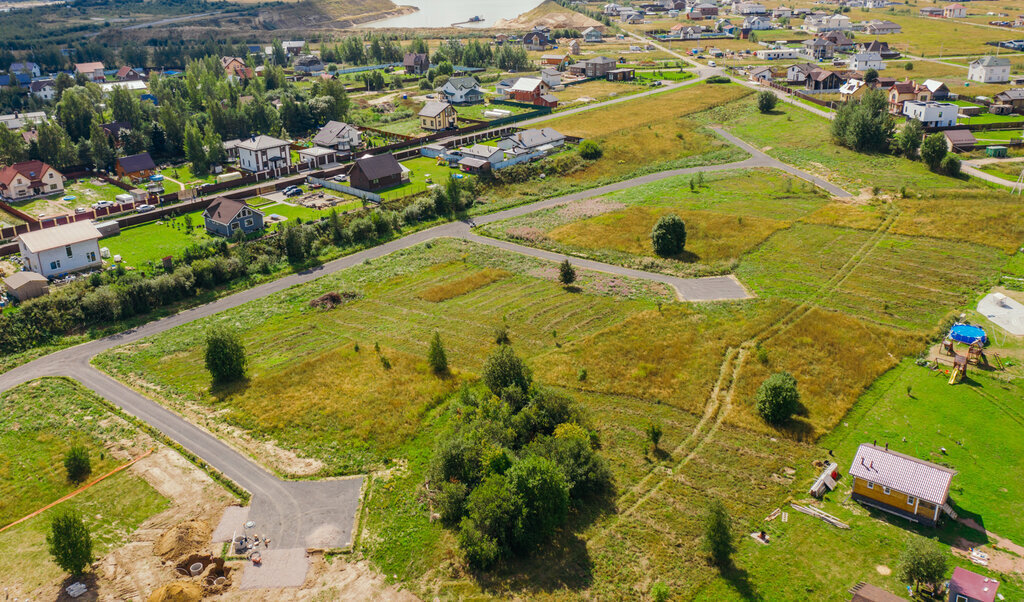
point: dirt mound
(549, 14)
(179, 591)
(182, 539)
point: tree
(933, 150)
(12, 147)
(75, 112)
(436, 356)
(195, 152)
(504, 369)
(101, 154)
(864, 125)
(566, 273)
(950, 165)
(909, 139)
(766, 101)
(278, 53)
(870, 76)
(669, 235)
(225, 354)
(70, 543)
(922, 562)
(76, 463)
(542, 500)
(590, 150)
(718, 534)
(654, 434)
(777, 398)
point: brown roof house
(416, 63)
(824, 80)
(376, 173)
(26, 285)
(93, 71)
(959, 140)
(136, 167)
(900, 484)
(226, 216)
(28, 179)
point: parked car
(293, 192)
(145, 208)
(712, 64)
(80, 210)
(102, 204)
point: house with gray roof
(226, 216)
(462, 90)
(338, 135)
(989, 70)
(532, 139)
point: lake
(443, 13)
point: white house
(931, 113)
(822, 23)
(954, 11)
(263, 153)
(748, 8)
(462, 90)
(43, 90)
(797, 74)
(782, 13)
(757, 23)
(989, 70)
(551, 77)
(61, 249)
(880, 27)
(776, 54)
(591, 35)
(863, 61)
(32, 69)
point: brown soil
(179, 591)
(552, 17)
(335, 580)
(183, 539)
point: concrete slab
(716, 288)
(1004, 312)
(230, 523)
(325, 519)
(279, 568)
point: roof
(821, 74)
(114, 127)
(525, 84)
(956, 5)
(433, 108)
(481, 150)
(463, 82)
(960, 137)
(316, 151)
(549, 98)
(378, 166)
(332, 132)
(600, 60)
(88, 67)
(933, 85)
(471, 162)
(32, 170)
(974, 585)
(818, 42)
(38, 86)
(1011, 94)
(261, 142)
(992, 61)
(222, 210)
(590, 30)
(20, 279)
(904, 87)
(134, 163)
(865, 592)
(124, 71)
(906, 474)
(412, 58)
(59, 236)
(560, 57)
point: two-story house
(29, 179)
(263, 153)
(461, 90)
(436, 116)
(338, 135)
(61, 249)
(226, 216)
(989, 70)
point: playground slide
(955, 376)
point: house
(461, 90)
(882, 48)
(611, 10)
(310, 64)
(748, 8)
(1013, 97)
(959, 140)
(763, 72)
(135, 167)
(437, 116)
(878, 27)
(822, 80)
(532, 140)
(501, 88)
(26, 67)
(989, 70)
(823, 23)
(954, 11)
(599, 66)
(338, 136)
(757, 23)
(416, 63)
(551, 77)
(61, 249)
(113, 131)
(592, 35)
(900, 484)
(930, 11)
(479, 157)
(226, 216)
(819, 49)
(852, 89)
(631, 18)
(968, 586)
(782, 13)
(29, 179)
(685, 32)
(293, 47)
(235, 69)
(43, 90)
(626, 74)
(16, 80)
(938, 90)
(862, 61)
(536, 40)
(865, 592)
(574, 47)
(557, 61)
(500, 39)
(899, 93)
(842, 42)
(702, 11)
(263, 153)
(777, 54)
(128, 74)
(92, 71)
(376, 172)
(528, 90)
(26, 285)
(797, 74)
(931, 113)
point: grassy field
(953, 76)
(148, 243)
(40, 421)
(595, 90)
(932, 38)
(183, 173)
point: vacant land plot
(595, 90)
(140, 246)
(938, 37)
(953, 76)
(39, 422)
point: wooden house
(135, 167)
(900, 484)
(437, 116)
(376, 173)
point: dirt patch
(179, 591)
(331, 580)
(550, 15)
(183, 539)
(588, 208)
(883, 570)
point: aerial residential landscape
(531, 299)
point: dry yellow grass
(709, 236)
(985, 217)
(861, 217)
(598, 90)
(461, 286)
(834, 357)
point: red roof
(973, 585)
(88, 67)
(33, 170)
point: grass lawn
(40, 421)
(476, 111)
(183, 173)
(998, 135)
(151, 242)
(1008, 171)
(663, 74)
(932, 37)
(595, 90)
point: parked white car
(102, 204)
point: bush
(908, 66)
(76, 463)
(425, 84)
(436, 356)
(777, 398)
(585, 472)
(766, 101)
(950, 165)
(660, 592)
(933, 150)
(566, 273)
(70, 543)
(590, 150)
(909, 139)
(451, 502)
(669, 235)
(717, 79)
(717, 534)
(504, 369)
(225, 355)
(541, 496)
(654, 434)
(480, 550)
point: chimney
(872, 466)
(886, 446)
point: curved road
(304, 514)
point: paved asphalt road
(322, 514)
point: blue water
(443, 13)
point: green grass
(183, 173)
(990, 118)
(151, 242)
(659, 74)
(39, 422)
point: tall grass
(461, 286)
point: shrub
(585, 472)
(425, 84)
(660, 592)
(225, 354)
(541, 497)
(590, 150)
(436, 355)
(70, 543)
(777, 398)
(480, 550)
(504, 369)
(717, 534)
(717, 79)
(950, 165)
(566, 273)
(933, 150)
(922, 562)
(501, 336)
(909, 139)
(76, 463)
(908, 66)
(669, 235)
(766, 101)
(451, 501)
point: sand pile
(183, 539)
(178, 591)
